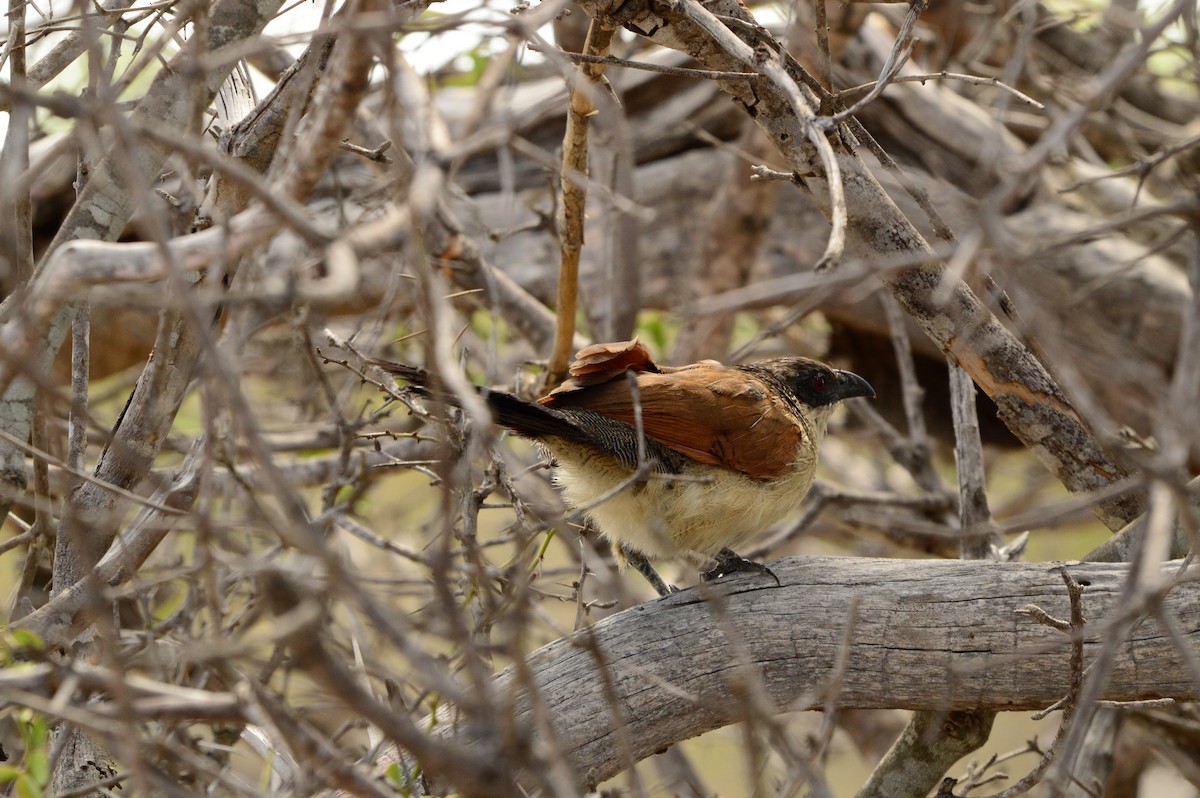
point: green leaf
(396, 779)
(37, 763)
(264, 776)
(25, 718)
(27, 787)
(40, 731)
(656, 330)
(27, 638)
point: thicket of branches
(244, 562)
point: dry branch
(1029, 400)
(114, 187)
(931, 635)
(583, 105)
(841, 634)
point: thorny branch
(1075, 626)
(312, 573)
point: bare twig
(1068, 702)
(662, 69)
(919, 452)
(901, 51)
(574, 197)
(775, 72)
(976, 80)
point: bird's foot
(643, 566)
(729, 562)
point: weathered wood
(930, 635)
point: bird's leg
(729, 562)
(643, 566)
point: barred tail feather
(527, 419)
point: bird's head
(810, 384)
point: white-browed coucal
(724, 451)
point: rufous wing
(600, 363)
(709, 412)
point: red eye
(818, 383)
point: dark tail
(527, 419)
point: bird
(675, 461)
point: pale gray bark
(931, 635)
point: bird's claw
(728, 562)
